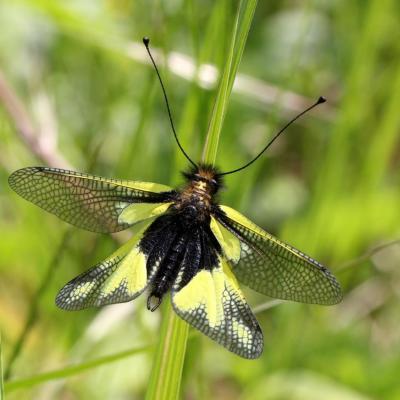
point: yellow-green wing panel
(146, 186)
(276, 269)
(121, 277)
(213, 303)
(138, 185)
(87, 201)
(229, 243)
(251, 226)
(137, 212)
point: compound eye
(213, 185)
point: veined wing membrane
(121, 277)
(213, 303)
(276, 269)
(86, 201)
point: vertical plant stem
(166, 374)
(220, 105)
(170, 355)
(241, 29)
(1, 372)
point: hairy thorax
(196, 199)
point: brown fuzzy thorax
(199, 192)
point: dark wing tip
(65, 302)
(18, 180)
(20, 174)
(336, 294)
(61, 299)
(258, 346)
(326, 292)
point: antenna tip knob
(146, 41)
(321, 100)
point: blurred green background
(90, 101)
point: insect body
(185, 234)
(185, 243)
(188, 244)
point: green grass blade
(241, 29)
(165, 380)
(166, 373)
(192, 120)
(72, 369)
(1, 372)
(221, 103)
(249, 7)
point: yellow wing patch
(148, 186)
(204, 291)
(130, 274)
(228, 241)
(137, 212)
(213, 303)
(120, 278)
(241, 219)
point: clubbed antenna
(319, 101)
(146, 42)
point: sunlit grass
(329, 186)
(165, 379)
(1, 370)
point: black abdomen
(176, 243)
(169, 267)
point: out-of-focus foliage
(330, 186)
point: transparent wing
(87, 201)
(276, 269)
(213, 303)
(121, 277)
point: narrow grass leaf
(1, 372)
(240, 32)
(72, 369)
(166, 375)
(169, 358)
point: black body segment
(176, 242)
